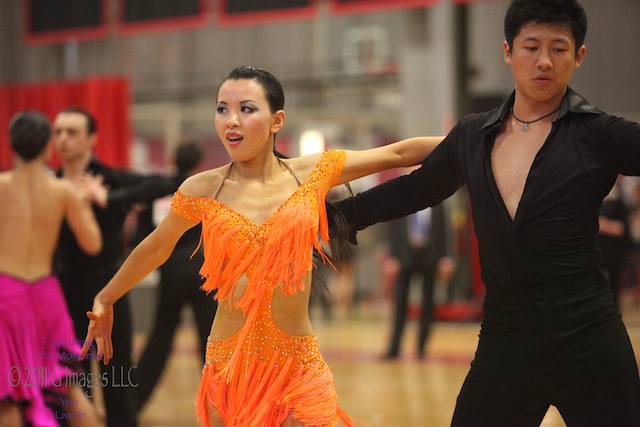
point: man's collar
(571, 102)
(92, 165)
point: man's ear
(580, 55)
(93, 139)
(507, 52)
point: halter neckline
(228, 172)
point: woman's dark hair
(29, 132)
(563, 13)
(271, 85)
(338, 229)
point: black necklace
(525, 126)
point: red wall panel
(107, 98)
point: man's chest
(511, 160)
(562, 178)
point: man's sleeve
(140, 189)
(622, 143)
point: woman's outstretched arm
(405, 153)
(152, 252)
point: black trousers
(419, 263)
(179, 286)
(118, 378)
(570, 351)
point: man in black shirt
(536, 170)
(82, 275)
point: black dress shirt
(125, 188)
(552, 239)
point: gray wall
(177, 71)
(609, 74)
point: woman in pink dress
(38, 349)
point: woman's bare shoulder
(203, 184)
(303, 166)
(63, 190)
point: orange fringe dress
(260, 375)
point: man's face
(543, 58)
(71, 136)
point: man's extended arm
(141, 188)
(119, 189)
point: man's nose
(544, 59)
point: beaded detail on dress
(267, 336)
(234, 244)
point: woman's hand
(93, 188)
(100, 327)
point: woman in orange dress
(262, 218)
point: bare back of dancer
(34, 205)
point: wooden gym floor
(402, 393)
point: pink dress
(38, 349)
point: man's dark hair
(92, 125)
(29, 132)
(188, 155)
(563, 13)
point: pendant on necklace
(525, 124)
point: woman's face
(244, 121)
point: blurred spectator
(419, 242)
(613, 237)
(179, 285)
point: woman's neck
(261, 171)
